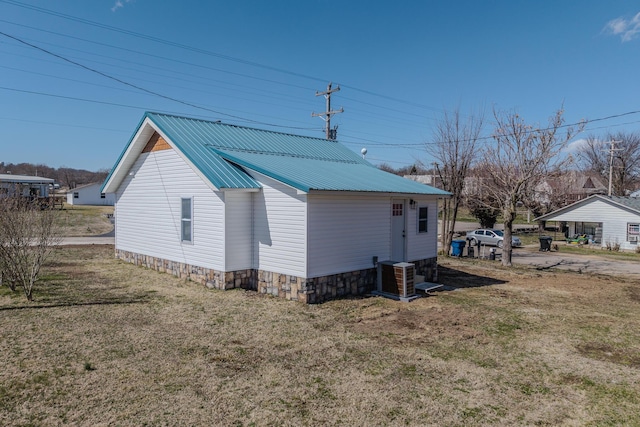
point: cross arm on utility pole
(326, 116)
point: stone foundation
(427, 268)
(210, 278)
(311, 291)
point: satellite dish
(363, 152)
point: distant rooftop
(24, 179)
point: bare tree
(518, 160)
(455, 150)
(594, 156)
(27, 236)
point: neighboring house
(431, 180)
(568, 187)
(608, 220)
(33, 187)
(90, 194)
(298, 217)
(558, 189)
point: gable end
(156, 143)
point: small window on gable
(186, 220)
(422, 219)
(76, 195)
(102, 195)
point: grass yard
(75, 221)
(108, 343)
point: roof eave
(119, 171)
(567, 208)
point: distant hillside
(67, 177)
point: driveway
(88, 240)
(591, 264)
(576, 262)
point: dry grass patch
(108, 343)
(75, 221)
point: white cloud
(627, 29)
(119, 4)
(576, 146)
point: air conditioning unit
(633, 239)
(397, 280)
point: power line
(136, 52)
(154, 93)
(159, 75)
(65, 125)
(207, 52)
(138, 107)
(140, 88)
(389, 119)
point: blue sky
(76, 76)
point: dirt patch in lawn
(108, 343)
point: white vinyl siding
(238, 238)
(148, 212)
(90, 195)
(279, 227)
(422, 245)
(614, 220)
(346, 232)
(186, 220)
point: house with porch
(608, 220)
(31, 187)
(298, 217)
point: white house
(298, 217)
(610, 220)
(90, 194)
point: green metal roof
(221, 152)
(191, 137)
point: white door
(397, 230)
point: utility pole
(326, 116)
(611, 150)
(435, 168)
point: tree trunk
(447, 231)
(507, 249)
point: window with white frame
(103, 196)
(186, 220)
(423, 212)
(633, 232)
